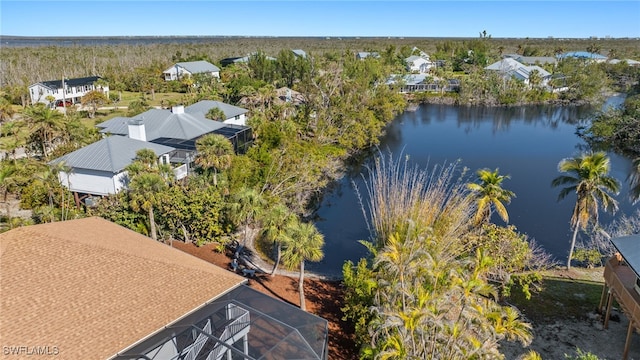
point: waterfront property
(418, 64)
(422, 83)
(190, 68)
(622, 283)
(65, 92)
(99, 169)
(91, 289)
(511, 68)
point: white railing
(193, 349)
(236, 329)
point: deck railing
(621, 281)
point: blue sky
(518, 19)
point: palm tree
(588, 178)
(216, 114)
(306, 244)
(490, 194)
(276, 223)
(45, 125)
(214, 152)
(144, 189)
(7, 185)
(247, 207)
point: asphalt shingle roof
(91, 288)
(110, 154)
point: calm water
(526, 143)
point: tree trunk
(301, 286)
(278, 254)
(152, 224)
(573, 244)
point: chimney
(136, 129)
(178, 109)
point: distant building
(509, 67)
(181, 69)
(584, 55)
(365, 54)
(65, 92)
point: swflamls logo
(31, 350)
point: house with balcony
(190, 68)
(418, 64)
(622, 284)
(99, 169)
(65, 92)
(91, 289)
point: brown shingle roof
(92, 288)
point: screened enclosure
(243, 324)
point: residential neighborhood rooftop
(92, 288)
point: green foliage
(589, 257)
(359, 284)
(581, 355)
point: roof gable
(197, 67)
(93, 288)
(111, 154)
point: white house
(99, 168)
(65, 91)
(181, 69)
(365, 54)
(509, 67)
(418, 64)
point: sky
(425, 18)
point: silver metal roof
(629, 248)
(110, 154)
(197, 67)
(201, 108)
(160, 123)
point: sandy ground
(554, 340)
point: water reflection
(526, 143)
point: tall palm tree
(45, 125)
(144, 189)
(215, 152)
(7, 185)
(587, 177)
(306, 245)
(275, 227)
(490, 194)
(247, 207)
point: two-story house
(65, 92)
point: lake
(525, 143)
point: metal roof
(110, 154)
(300, 53)
(57, 84)
(197, 67)
(583, 55)
(161, 123)
(629, 248)
(201, 108)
